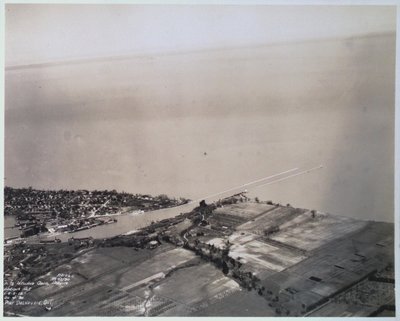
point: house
(153, 244)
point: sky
(44, 33)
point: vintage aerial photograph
(199, 160)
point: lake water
(195, 124)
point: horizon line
(157, 53)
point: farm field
(279, 261)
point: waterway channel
(126, 223)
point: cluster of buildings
(67, 211)
(30, 225)
(79, 203)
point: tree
(225, 268)
(163, 198)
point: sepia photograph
(199, 160)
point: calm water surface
(195, 124)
